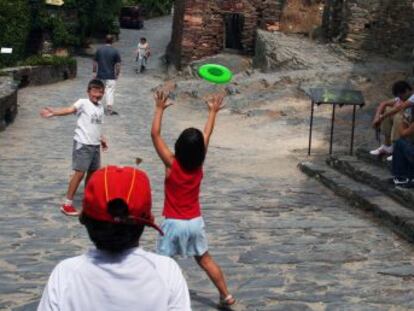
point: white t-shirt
(133, 280)
(90, 120)
(142, 49)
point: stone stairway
(363, 181)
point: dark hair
(190, 150)
(400, 88)
(143, 39)
(113, 237)
(109, 39)
(96, 84)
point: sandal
(227, 301)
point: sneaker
(389, 159)
(69, 210)
(400, 181)
(110, 112)
(383, 149)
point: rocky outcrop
(380, 26)
(8, 101)
(277, 51)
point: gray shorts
(86, 158)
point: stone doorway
(234, 25)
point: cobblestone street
(283, 241)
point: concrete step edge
(363, 154)
(390, 213)
(400, 195)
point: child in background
(183, 225)
(143, 53)
(86, 154)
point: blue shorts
(183, 237)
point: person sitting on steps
(388, 117)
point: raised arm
(215, 103)
(49, 112)
(165, 154)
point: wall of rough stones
(198, 26)
(8, 101)
(384, 26)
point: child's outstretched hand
(46, 112)
(215, 102)
(104, 144)
(161, 100)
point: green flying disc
(215, 73)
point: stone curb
(8, 102)
(375, 177)
(41, 75)
(364, 155)
(390, 213)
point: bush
(152, 7)
(38, 60)
(15, 22)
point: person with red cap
(117, 274)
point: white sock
(68, 202)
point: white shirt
(142, 49)
(133, 280)
(90, 120)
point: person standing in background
(106, 67)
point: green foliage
(152, 7)
(61, 36)
(37, 60)
(68, 25)
(98, 17)
(15, 27)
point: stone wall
(39, 75)
(8, 101)
(381, 26)
(198, 26)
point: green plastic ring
(215, 73)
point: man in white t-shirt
(389, 116)
(117, 275)
(88, 140)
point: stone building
(381, 26)
(205, 27)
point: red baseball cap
(125, 183)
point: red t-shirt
(182, 191)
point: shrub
(15, 24)
(38, 60)
(152, 7)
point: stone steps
(362, 195)
(364, 155)
(373, 175)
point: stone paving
(283, 241)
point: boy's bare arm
(215, 103)
(406, 129)
(165, 154)
(49, 112)
(382, 106)
(379, 114)
(396, 110)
